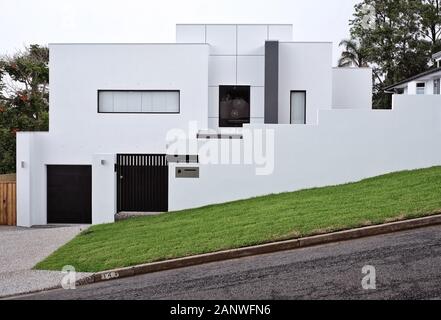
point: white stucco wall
(352, 88)
(305, 66)
(429, 87)
(104, 194)
(411, 88)
(417, 102)
(24, 163)
(346, 146)
(78, 71)
(237, 57)
(78, 132)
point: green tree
(430, 12)
(24, 99)
(353, 54)
(399, 42)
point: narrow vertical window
(298, 107)
(436, 86)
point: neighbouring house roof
(416, 77)
(437, 56)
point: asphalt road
(408, 266)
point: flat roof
(305, 42)
(352, 68)
(124, 44)
(234, 24)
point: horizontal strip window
(138, 101)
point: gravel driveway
(21, 249)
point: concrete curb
(27, 293)
(262, 249)
(34, 291)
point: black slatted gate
(142, 183)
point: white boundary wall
(346, 146)
(415, 101)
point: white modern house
(227, 112)
(426, 83)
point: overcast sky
(47, 21)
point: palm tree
(352, 55)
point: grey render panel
(186, 172)
(271, 82)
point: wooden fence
(8, 203)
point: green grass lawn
(260, 220)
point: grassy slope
(391, 197)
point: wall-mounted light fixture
(23, 164)
(103, 162)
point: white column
(24, 144)
(103, 188)
(429, 88)
(411, 88)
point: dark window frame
(290, 104)
(137, 112)
(419, 86)
(248, 87)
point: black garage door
(69, 194)
(142, 183)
